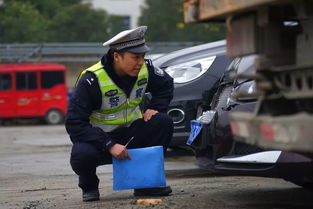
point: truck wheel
(54, 117)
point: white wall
(121, 7)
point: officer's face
(128, 63)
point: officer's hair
(119, 52)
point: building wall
(129, 8)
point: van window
(51, 79)
(26, 81)
(5, 82)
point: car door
(27, 94)
(7, 98)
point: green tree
(115, 25)
(166, 23)
(79, 22)
(21, 22)
(55, 21)
(48, 8)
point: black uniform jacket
(87, 97)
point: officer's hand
(119, 151)
(148, 114)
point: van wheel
(54, 117)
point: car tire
(218, 105)
(54, 116)
(237, 147)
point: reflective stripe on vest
(116, 109)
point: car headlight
(191, 70)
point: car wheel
(54, 117)
(235, 148)
(218, 136)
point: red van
(33, 90)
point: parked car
(215, 148)
(196, 72)
(33, 90)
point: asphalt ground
(35, 173)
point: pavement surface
(35, 173)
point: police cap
(129, 40)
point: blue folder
(144, 170)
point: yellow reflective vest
(117, 109)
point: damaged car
(215, 148)
(196, 72)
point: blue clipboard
(144, 170)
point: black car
(216, 150)
(196, 72)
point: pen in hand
(129, 141)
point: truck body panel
(281, 33)
(219, 10)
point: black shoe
(154, 191)
(92, 195)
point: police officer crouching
(104, 111)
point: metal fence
(73, 52)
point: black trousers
(85, 158)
